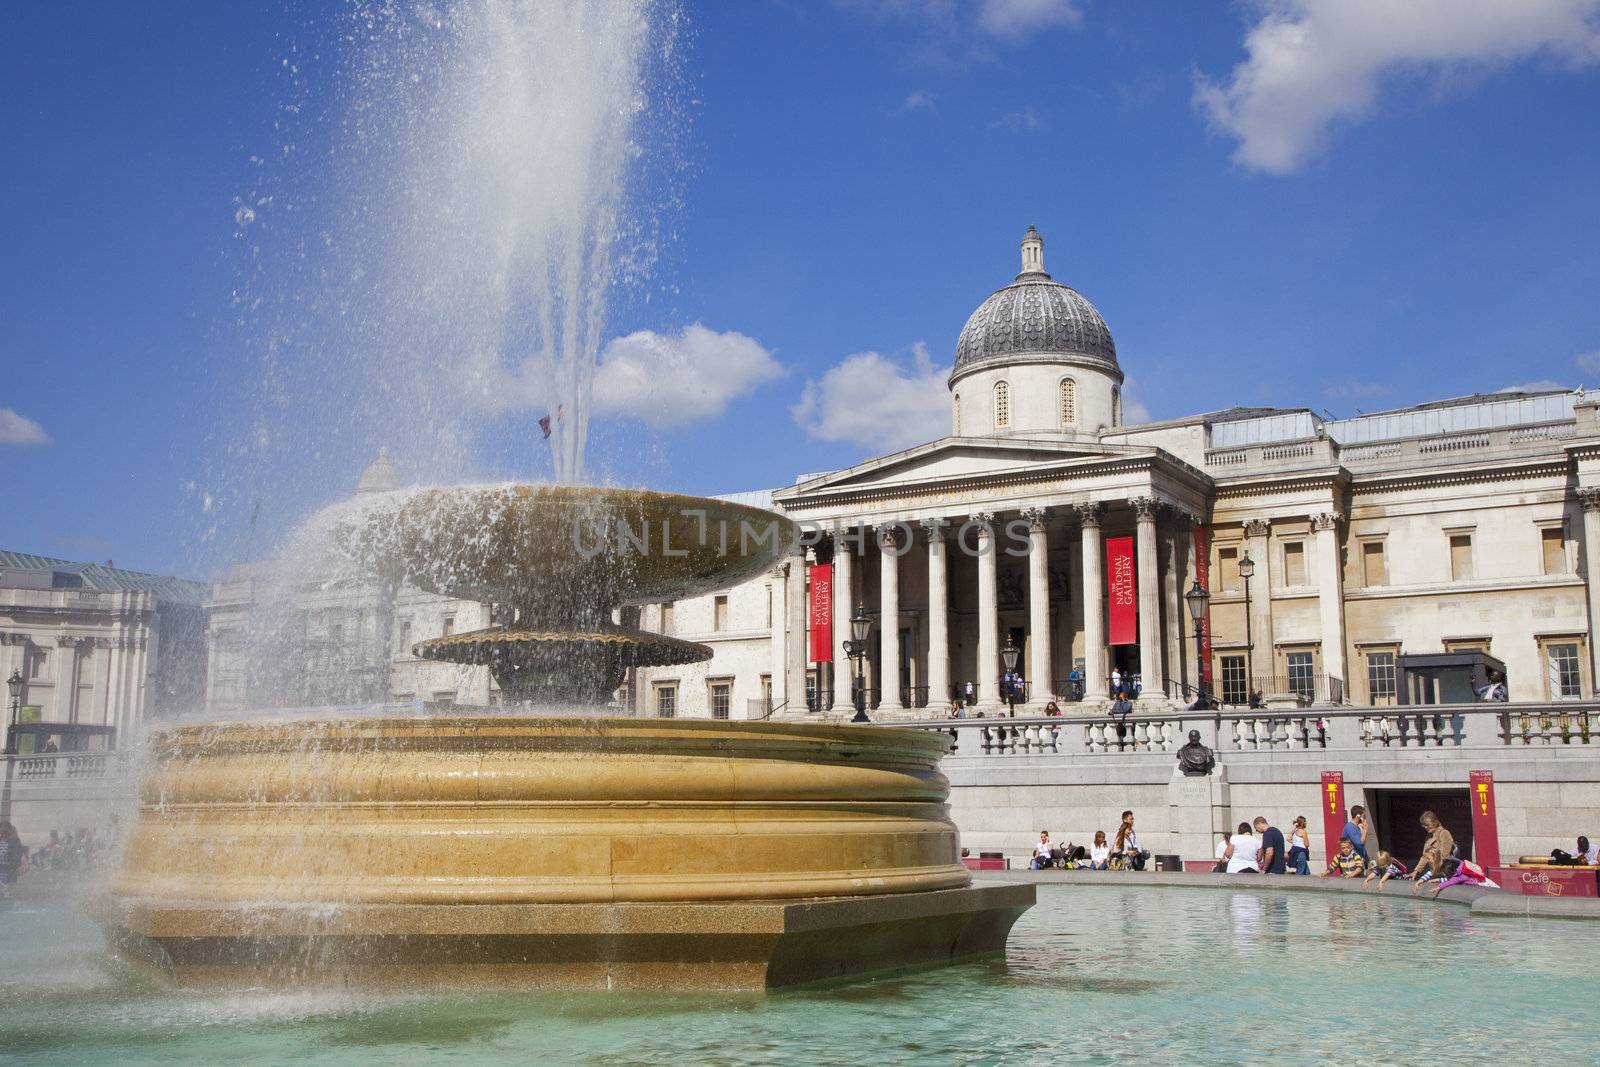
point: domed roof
(380, 475)
(1035, 315)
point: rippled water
(1093, 975)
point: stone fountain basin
(551, 550)
(517, 810)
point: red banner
(1202, 574)
(820, 612)
(1122, 590)
(1332, 811)
(1485, 833)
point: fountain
(574, 851)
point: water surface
(1093, 975)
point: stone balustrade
(1246, 731)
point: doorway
(1396, 813)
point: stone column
(777, 586)
(1153, 678)
(1040, 655)
(891, 542)
(1330, 592)
(1094, 607)
(1255, 533)
(1172, 587)
(938, 617)
(1590, 499)
(102, 681)
(844, 606)
(988, 612)
(794, 603)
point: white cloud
(878, 402)
(1017, 121)
(918, 100)
(1018, 19)
(666, 381)
(1588, 361)
(20, 430)
(1314, 63)
(1543, 385)
(1134, 413)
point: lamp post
(1247, 567)
(1197, 599)
(1008, 656)
(14, 684)
(856, 649)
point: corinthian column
(1590, 499)
(844, 605)
(1330, 594)
(1040, 659)
(1152, 677)
(988, 612)
(1094, 606)
(938, 615)
(891, 542)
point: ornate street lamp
(1198, 599)
(856, 649)
(1008, 656)
(1247, 567)
(13, 683)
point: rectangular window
(1553, 545)
(666, 617)
(1466, 644)
(719, 612)
(1294, 563)
(811, 690)
(449, 625)
(769, 607)
(1460, 557)
(667, 700)
(38, 662)
(1380, 678)
(1302, 674)
(1564, 666)
(721, 699)
(445, 696)
(1228, 569)
(1235, 687)
(405, 637)
(1373, 565)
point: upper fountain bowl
(552, 550)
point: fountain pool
(1172, 975)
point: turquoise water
(1093, 975)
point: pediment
(962, 458)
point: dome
(1035, 315)
(380, 475)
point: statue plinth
(1200, 810)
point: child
(1384, 867)
(1348, 863)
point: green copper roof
(111, 579)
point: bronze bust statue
(1194, 759)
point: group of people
(74, 851)
(1259, 847)
(1125, 853)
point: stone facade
(1464, 524)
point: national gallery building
(1046, 532)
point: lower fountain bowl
(545, 851)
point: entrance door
(1397, 811)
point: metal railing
(1234, 730)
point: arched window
(1002, 405)
(1116, 405)
(1069, 402)
(955, 416)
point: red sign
(1332, 811)
(1545, 881)
(1485, 834)
(820, 612)
(1202, 574)
(1123, 591)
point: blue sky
(1296, 202)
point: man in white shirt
(1041, 852)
